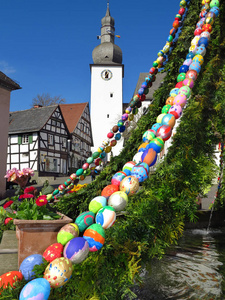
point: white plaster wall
(4, 128)
(102, 104)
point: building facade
(39, 138)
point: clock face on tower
(106, 74)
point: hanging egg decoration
(106, 217)
(58, 272)
(76, 250)
(95, 236)
(129, 185)
(85, 219)
(53, 251)
(67, 232)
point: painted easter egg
(195, 66)
(185, 90)
(201, 50)
(174, 92)
(149, 156)
(28, 264)
(188, 82)
(37, 289)
(157, 144)
(118, 177)
(165, 110)
(58, 272)
(106, 217)
(169, 120)
(97, 203)
(198, 58)
(84, 220)
(109, 190)
(170, 99)
(192, 74)
(76, 250)
(140, 171)
(156, 126)
(129, 185)
(141, 148)
(137, 157)
(159, 118)
(53, 251)
(95, 236)
(118, 200)
(67, 233)
(129, 165)
(9, 279)
(180, 99)
(148, 136)
(164, 132)
(176, 110)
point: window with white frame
(25, 139)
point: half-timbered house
(38, 139)
(77, 118)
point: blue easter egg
(203, 41)
(174, 92)
(183, 69)
(156, 126)
(117, 136)
(195, 66)
(141, 91)
(37, 289)
(122, 128)
(28, 264)
(190, 55)
(215, 10)
(140, 171)
(76, 250)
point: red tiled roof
(72, 114)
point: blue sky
(46, 45)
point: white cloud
(5, 68)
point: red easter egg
(10, 278)
(109, 190)
(110, 135)
(53, 251)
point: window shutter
(30, 138)
(19, 139)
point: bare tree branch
(46, 100)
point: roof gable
(30, 120)
(72, 114)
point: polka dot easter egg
(9, 279)
(140, 171)
(58, 272)
(53, 251)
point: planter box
(35, 236)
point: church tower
(106, 85)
